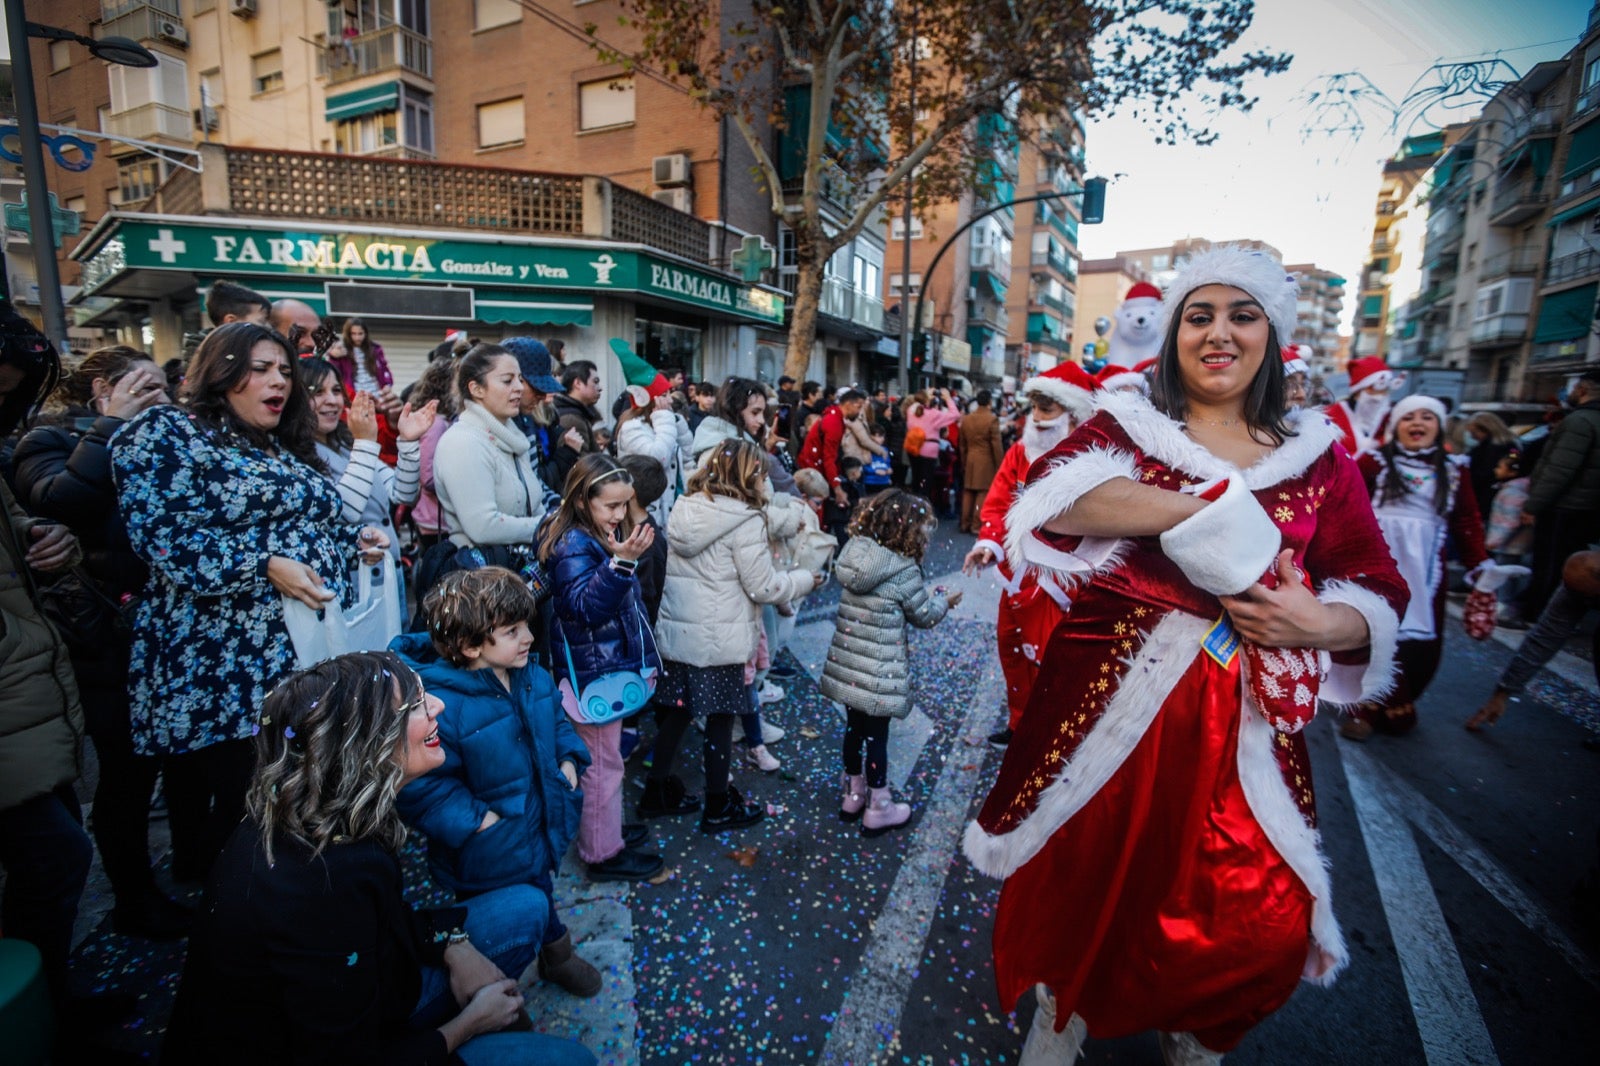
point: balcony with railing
(1512, 261)
(1499, 330)
(1444, 230)
(142, 20)
(265, 183)
(1516, 201)
(991, 260)
(1586, 106)
(1571, 267)
(390, 48)
(845, 302)
(149, 122)
(1539, 122)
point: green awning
(522, 307)
(1572, 213)
(1565, 316)
(368, 101)
(1372, 306)
(1583, 155)
(1540, 153)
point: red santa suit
(1156, 833)
(1364, 421)
(1030, 608)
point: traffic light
(1094, 201)
(919, 350)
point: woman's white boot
(1045, 1046)
(1182, 1049)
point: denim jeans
(45, 854)
(508, 926)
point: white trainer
(770, 693)
(762, 759)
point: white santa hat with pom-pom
(1255, 272)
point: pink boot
(883, 814)
(854, 797)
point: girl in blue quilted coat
(600, 637)
(503, 808)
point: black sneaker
(783, 672)
(627, 865)
(734, 812)
(666, 798)
(634, 834)
(1000, 739)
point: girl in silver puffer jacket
(868, 662)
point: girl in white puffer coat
(719, 572)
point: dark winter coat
(596, 613)
(652, 572)
(1568, 475)
(502, 752)
(63, 474)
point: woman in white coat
(651, 428)
(489, 495)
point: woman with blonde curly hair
(305, 948)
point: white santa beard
(1039, 437)
(1369, 411)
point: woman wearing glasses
(306, 950)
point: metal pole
(906, 325)
(979, 217)
(33, 175)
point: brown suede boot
(560, 965)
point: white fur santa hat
(1069, 385)
(1369, 372)
(1257, 273)
(1113, 377)
(1294, 360)
(1417, 402)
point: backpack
(916, 437)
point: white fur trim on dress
(1348, 684)
(1300, 845)
(1257, 273)
(1038, 503)
(1162, 438)
(1154, 670)
(1078, 402)
(1226, 546)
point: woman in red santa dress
(1153, 818)
(1030, 608)
(1422, 501)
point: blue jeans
(508, 926)
(1560, 619)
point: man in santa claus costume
(1062, 399)
(1363, 416)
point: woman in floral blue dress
(225, 498)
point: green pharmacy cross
(63, 223)
(754, 256)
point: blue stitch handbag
(609, 696)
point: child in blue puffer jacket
(503, 808)
(602, 651)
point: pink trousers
(600, 828)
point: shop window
(266, 72)
(487, 14)
(501, 123)
(664, 344)
(605, 103)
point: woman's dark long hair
(369, 358)
(221, 365)
(1395, 488)
(313, 372)
(24, 347)
(733, 398)
(1264, 406)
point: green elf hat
(645, 382)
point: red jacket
(821, 448)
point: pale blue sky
(1312, 199)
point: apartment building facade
(1321, 310)
(1043, 304)
(404, 85)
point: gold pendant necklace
(1212, 421)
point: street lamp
(1094, 211)
(118, 50)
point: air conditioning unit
(670, 170)
(207, 118)
(679, 199)
(172, 30)
(245, 9)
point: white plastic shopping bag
(368, 625)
